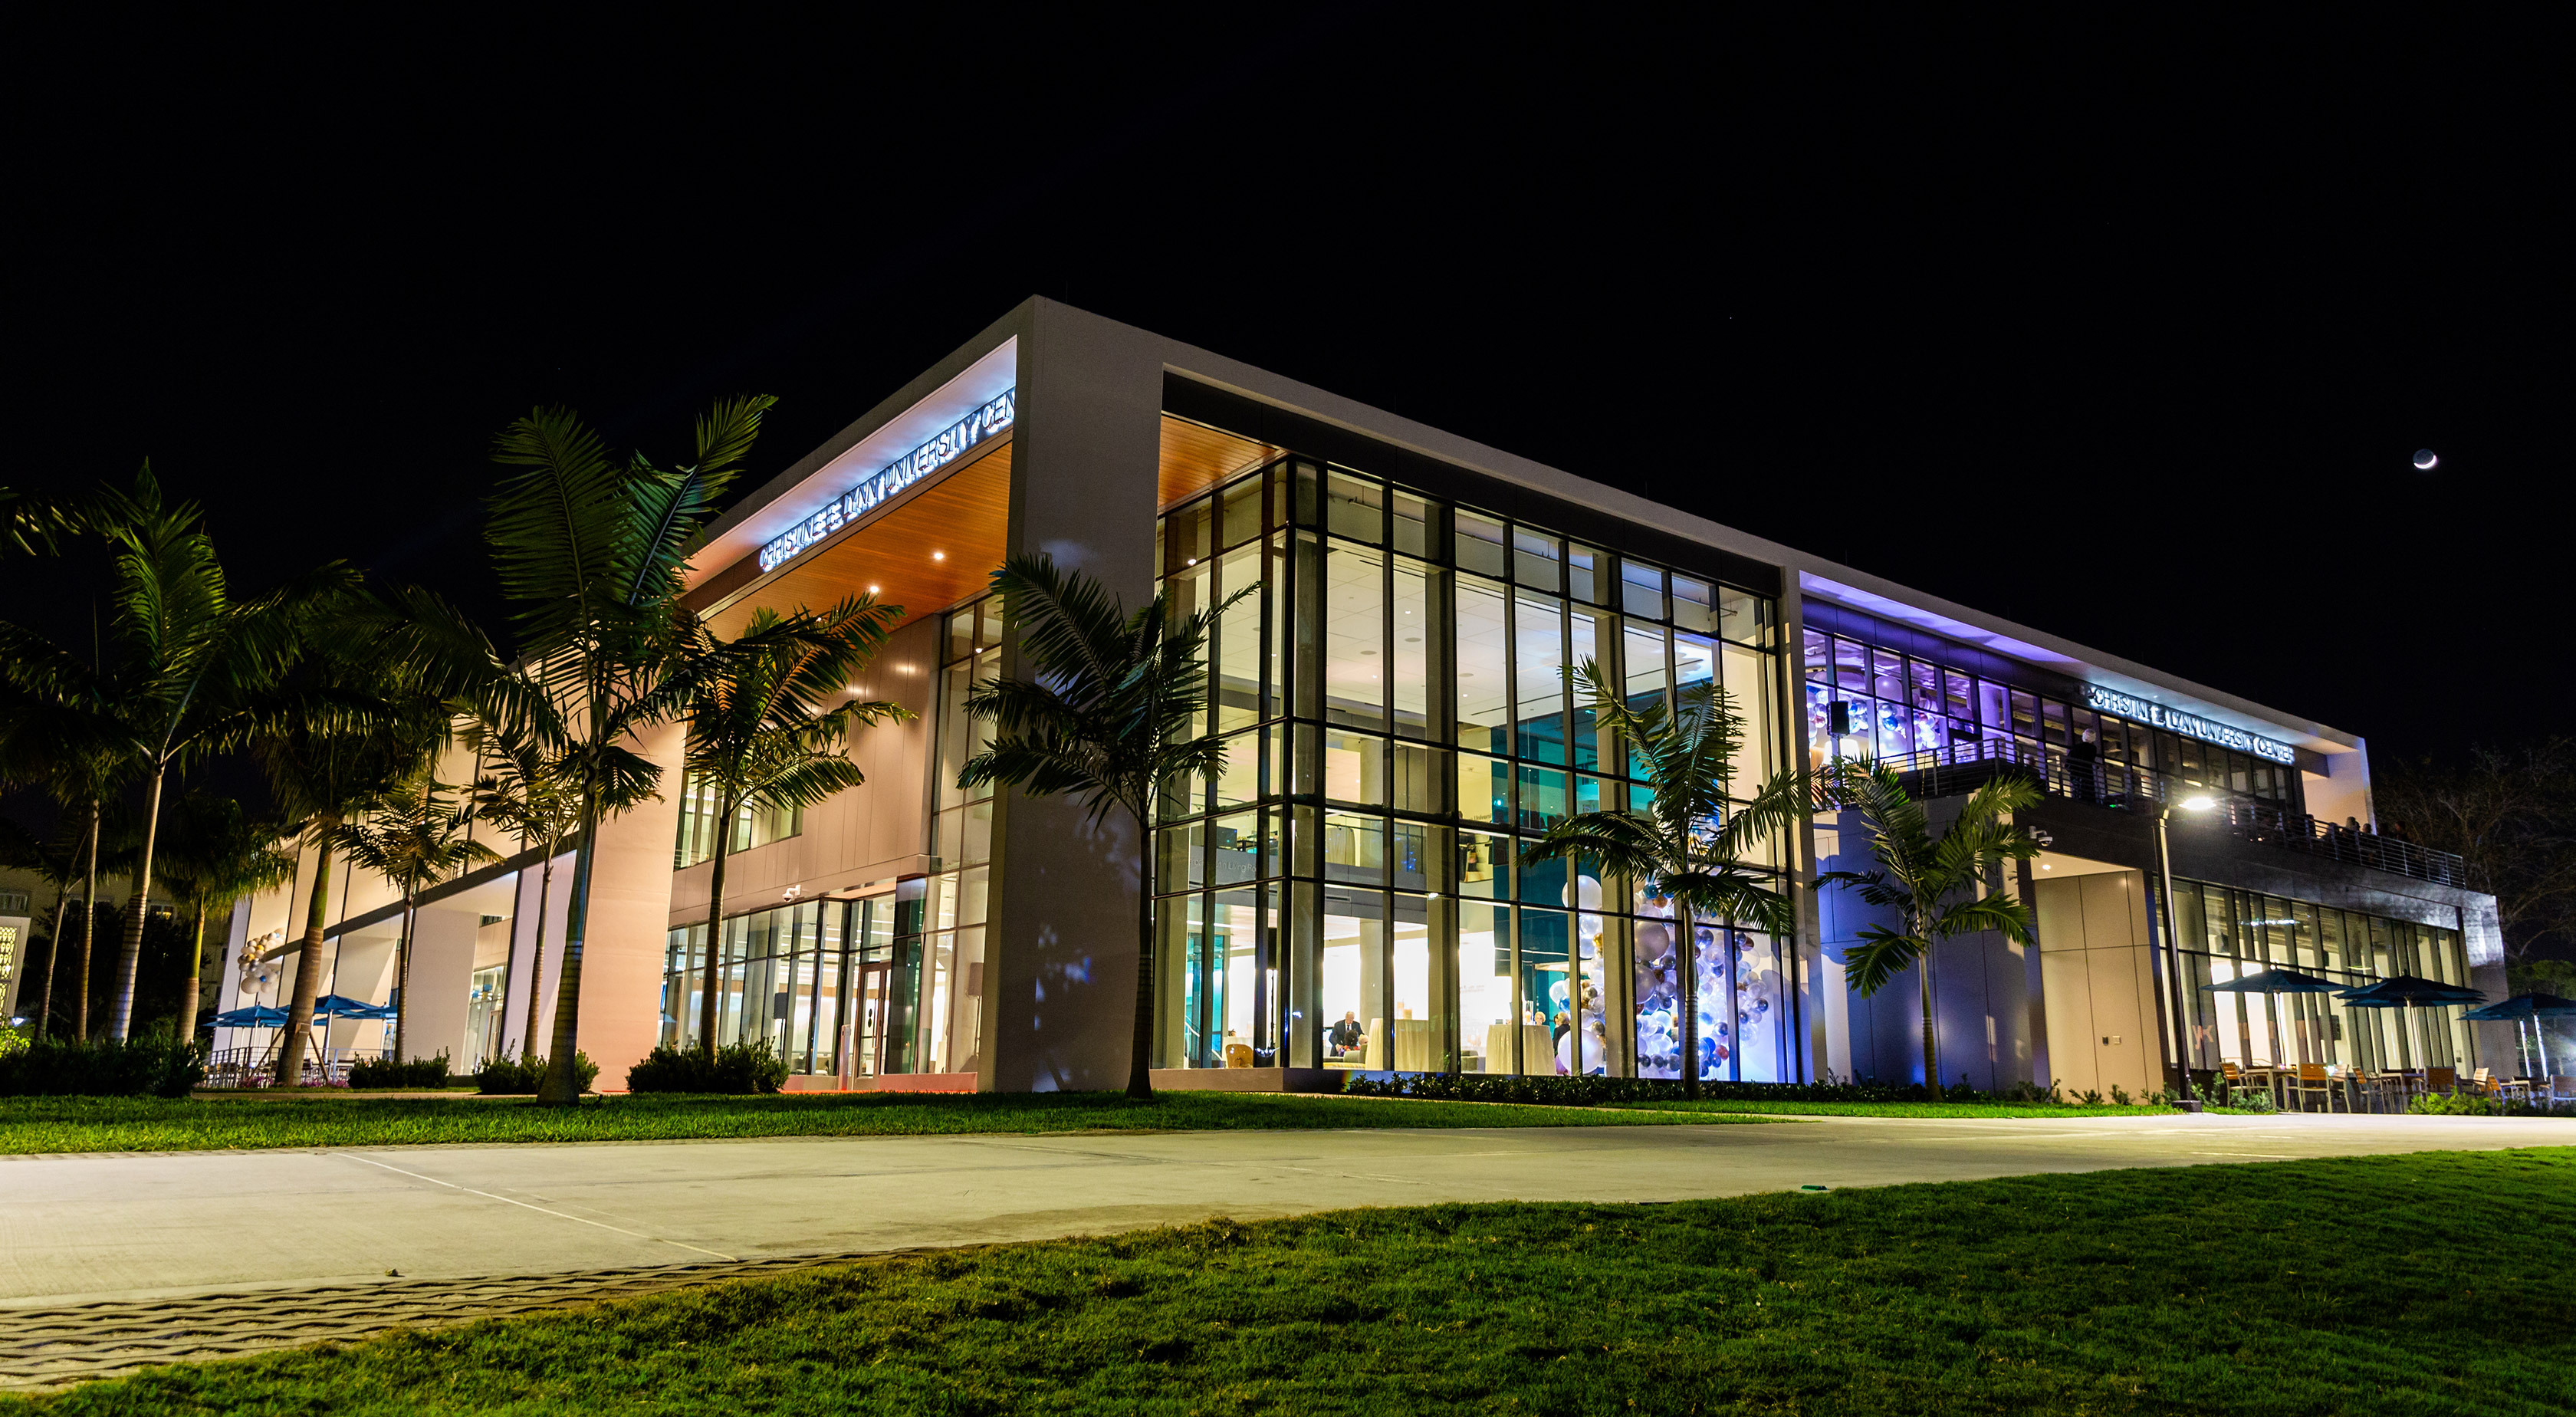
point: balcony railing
(1964, 767)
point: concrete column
(1060, 977)
(628, 930)
(442, 971)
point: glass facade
(2228, 934)
(811, 977)
(941, 937)
(1866, 700)
(1348, 890)
(752, 826)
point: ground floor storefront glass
(2230, 934)
(1349, 889)
(826, 983)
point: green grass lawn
(2437, 1283)
(56, 1124)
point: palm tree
(1930, 882)
(1106, 718)
(765, 734)
(30, 525)
(220, 853)
(55, 861)
(524, 790)
(591, 552)
(344, 725)
(190, 661)
(59, 728)
(1690, 843)
(415, 837)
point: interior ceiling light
(938, 555)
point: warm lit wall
(2100, 984)
(2345, 793)
(442, 968)
(628, 924)
(872, 833)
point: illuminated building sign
(2130, 706)
(952, 443)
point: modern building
(1351, 892)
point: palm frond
(1881, 955)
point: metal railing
(1964, 767)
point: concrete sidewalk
(127, 1226)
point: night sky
(2125, 331)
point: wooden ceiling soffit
(935, 546)
(1197, 457)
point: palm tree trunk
(297, 1037)
(715, 937)
(53, 953)
(187, 1028)
(89, 928)
(1931, 1055)
(402, 976)
(537, 959)
(1140, 1058)
(130, 959)
(562, 1083)
(1687, 957)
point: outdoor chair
(2486, 1083)
(2314, 1081)
(2388, 1091)
(2442, 1080)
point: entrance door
(868, 1028)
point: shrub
(736, 1068)
(387, 1072)
(508, 1075)
(2457, 1104)
(157, 1064)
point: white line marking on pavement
(2264, 1155)
(541, 1210)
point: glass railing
(1963, 767)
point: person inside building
(1347, 1035)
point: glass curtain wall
(781, 977)
(1865, 700)
(812, 978)
(2228, 934)
(1348, 890)
(752, 826)
(943, 949)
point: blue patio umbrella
(260, 1016)
(2534, 1007)
(2411, 992)
(2277, 981)
(342, 1006)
